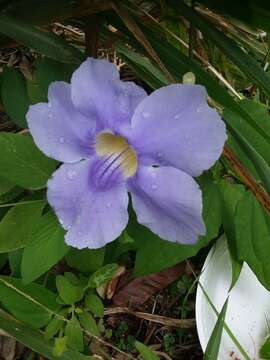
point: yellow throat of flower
(110, 145)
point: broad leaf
(32, 303)
(68, 291)
(85, 260)
(46, 247)
(145, 352)
(74, 335)
(18, 224)
(94, 304)
(22, 163)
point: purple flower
(113, 140)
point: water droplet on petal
(154, 187)
(146, 114)
(79, 233)
(109, 204)
(176, 116)
(160, 154)
(62, 139)
(153, 175)
(50, 116)
(71, 174)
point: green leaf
(94, 304)
(22, 163)
(14, 96)
(45, 248)
(15, 260)
(18, 224)
(252, 225)
(265, 349)
(145, 352)
(86, 260)
(74, 334)
(212, 349)
(69, 292)
(32, 303)
(231, 194)
(41, 41)
(5, 186)
(53, 327)
(49, 70)
(88, 323)
(35, 340)
(102, 275)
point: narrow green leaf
(35, 339)
(22, 163)
(45, 248)
(46, 43)
(212, 349)
(74, 335)
(14, 95)
(145, 352)
(53, 327)
(32, 303)
(265, 349)
(60, 346)
(18, 224)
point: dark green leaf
(53, 327)
(265, 349)
(18, 224)
(86, 260)
(45, 248)
(32, 303)
(14, 96)
(212, 349)
(22, 163)
(46, 43)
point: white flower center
(117, 148)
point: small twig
(183, 323)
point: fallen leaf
(135, 292)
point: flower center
(117, 149)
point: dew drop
(146, 114)
(109, 204)
(154, 187)
(160, 154)
(71, 174)
(62, 139)
(50, 116)
(79, 233)
(153, 175)
(176, 117)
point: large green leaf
(35, 339)
(44, 42)
(85, 260)
(18, 224)
(212, 349)
(45, 248)
(22, 163)
(14, 95)
(32, 303)
(252, 228)
(244, 61)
